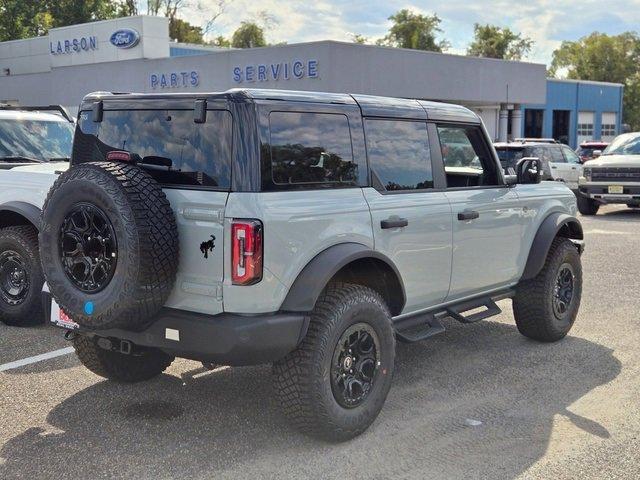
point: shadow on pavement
(226, 423)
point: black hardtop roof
(374, 106)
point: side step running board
(457, 312)
(420, 327)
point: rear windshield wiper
(19, 158)
(60, 159)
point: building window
(609, 122)
(608, 129)
(585, 129)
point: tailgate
(200, 219)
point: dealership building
(135, 54)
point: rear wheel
(21, 276)
(587, 206)
(335, 383)
(546, 306)
(135, 367)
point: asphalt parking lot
(479, 401)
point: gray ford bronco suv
(308, 230)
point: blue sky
(546, 22)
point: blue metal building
(575, 111)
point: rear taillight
(246, 251)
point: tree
(248, 35)
(23, 19)
(495, 42)
(604, 58)
(221, 41)
(416, 31)
(72, 12)
(183, 31)
(357, 38)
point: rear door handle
(468, 215)
(394, 222)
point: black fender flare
(315, 276)
(555, 224)
(26, 210)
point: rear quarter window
(200, 153)
(309, 150)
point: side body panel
(486, 249)
(422, 250)
(298, 225)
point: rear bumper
(224, 339)
(600, 193)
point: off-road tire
(533, 303)
(302, 378)
(23, 239)
(119, 367)
(587, 206)
(145, 230)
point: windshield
(510, 155)
(35, 139)
(628, 144)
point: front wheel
(587, 206)
(21, 277)
(545, 307)
(335, 383)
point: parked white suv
(559, 162)
(34, 139)
(309, 230)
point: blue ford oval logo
(125, 38)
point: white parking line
(35, 359)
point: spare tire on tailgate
(109, 245)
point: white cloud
(547, 22)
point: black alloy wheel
(355, 364)
(14, 278)
(88, 247)
(563, 291)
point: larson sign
(73, 45)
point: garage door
(609, 123)
(585, 127)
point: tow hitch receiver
(122, 346)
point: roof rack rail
(39, 108)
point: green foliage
(23, 19)
(604, 58)
(495, 42)
(221, 41)
(248, 35)
(72, 12)
(357, 38)
(415, 31)
(183, 31)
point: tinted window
(200, 153)
(467, 160)
(311, 148)
(399, 154)
(40, 140)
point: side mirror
(529, 170)
(597, 153)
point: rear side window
(199, 153)
(310, 149)
(399, 155)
